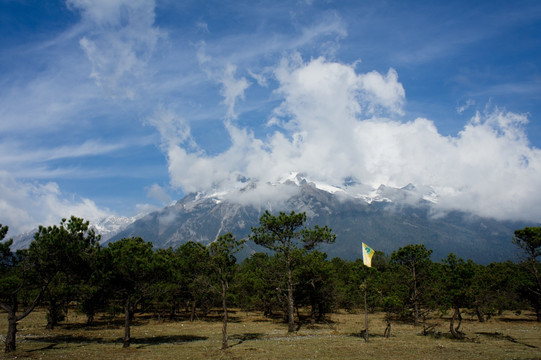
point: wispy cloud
(121, 43)
(12, 154)
(157, 192)
(466, 105)
(42, 162)
(232, 89)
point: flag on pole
(368, 252)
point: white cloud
(202, 26)
(333, 127)
(120, 41)
(172, 128)
(383, 91)
(146, 208)
(42, 162)
(157, 192)
(48, 100)
(232, 89)
(48, 205)
(12, 153)
(461, 108)
(202, 56)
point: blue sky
(117, 107)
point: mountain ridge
(387, 219)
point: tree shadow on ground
(518, 320)
(102, 324)
(271, 318)
(168, 339)
(501, 336)
(66, 339)
(212, 316)
(246, 337)
(306, 321)
(53, 341)
(108, 322)
(141, 341)
(361, 335)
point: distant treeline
(65, 265)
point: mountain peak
(387, 218)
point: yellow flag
(368, 252)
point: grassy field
(254, 337)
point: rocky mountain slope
(387, 219)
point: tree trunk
(224, 324)
(313, 313)
(89, 318)
(314, 305)
(387, 332)
(127, 323)
(416, 314)
(415, 299)
(52, 316)
(321, 312)
(479, 314)
(173, 311)
(290, 301)
(11, 308)
(455, 331)
(11, 343)
(192, 314)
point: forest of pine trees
(65, 267)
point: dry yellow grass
(254, 337)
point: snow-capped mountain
(109, 226)
(23, 240)
(386, 218)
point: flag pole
(368, 252)
(365, 314)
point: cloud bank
(48, 205)
(334, 124)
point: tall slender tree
(283, 234)
(134, 269)
(457, 277)
(194, 264)
(415, 259)
(257, 282)
(223, 262)
(529, 240)
(316, 288)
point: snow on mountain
(264, 196)
(22, 241)
(275, 195)
(409, 194)
(299, 179)
(109, 226)
(386, 217)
